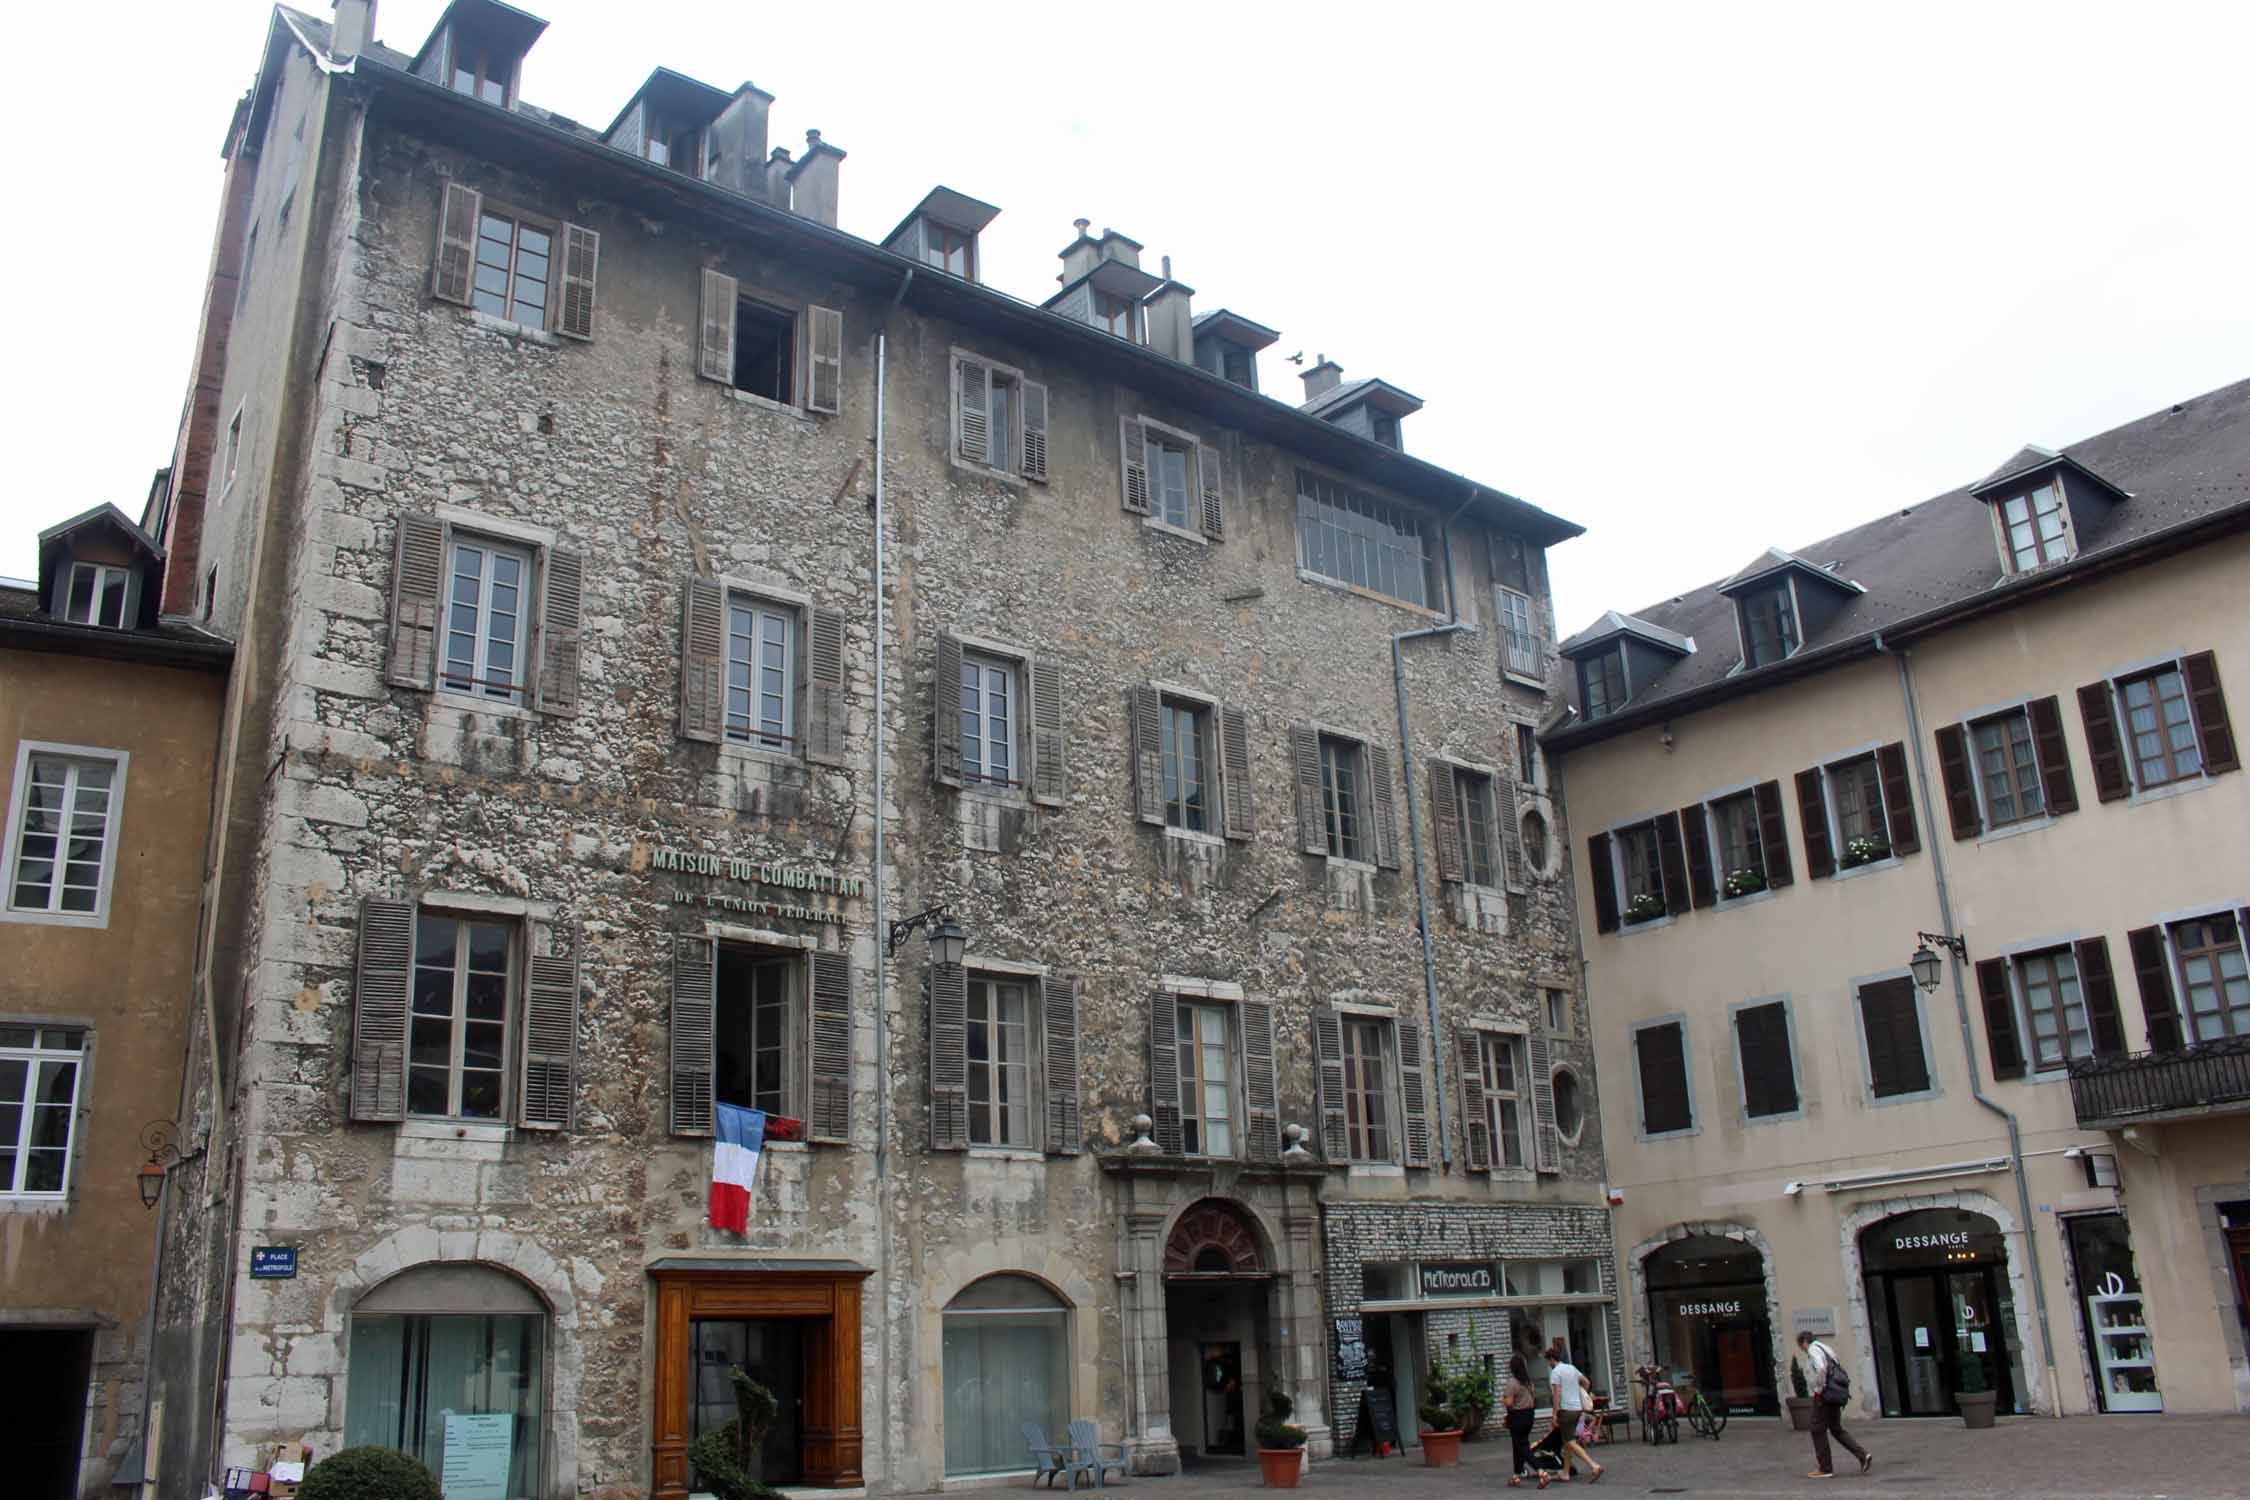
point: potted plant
(1281, 1444)
(1471, 1390)
(1441, 1421)
(723, 1457)
(1800, 1397)
(1974, 1399)
(1744, 883)
(1865, 849)
(1645, 907)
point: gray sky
(1701, 278)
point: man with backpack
(1831, 1388)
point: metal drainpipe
(1968, 1043)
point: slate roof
(1928, 562)
(1613, 624)
(1401, 404)
(1774, 560)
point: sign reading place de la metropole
(776, 890)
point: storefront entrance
(770, 1351)
(1216, 1291)
(1939, 1307)
(1707, 1317)
(43, 1373)
(2119, 1350)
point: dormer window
(1116, 315)
(477, 49)
(1769, 625)
(97, 595)
(1227, 344)
(1781, 601)
(677, 146)
(482, 71)
(1601, 682)
(1385, 428)
(2037, 527)
(2047, 507)
(950, 250)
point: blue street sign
(273, 1262)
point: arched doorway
(1217, 1276)
(1940, 1311)
(1006, 1362)
(1707, 1319)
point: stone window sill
(1197, 537)
(454, 1130)
(780, 408)
(986, 471)
(513, 329)
(469, 703)
(1887, 862)
(1191, 836)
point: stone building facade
(651, 594)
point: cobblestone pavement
(2080, 1458)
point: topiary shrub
(1274, 1429)
(369, 1474)
(722, 1458)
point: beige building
(1999, 717)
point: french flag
(734, 1165)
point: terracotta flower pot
(1282, 1467)
(1441, 1450)
(1800, 1412)
(1976, 1407)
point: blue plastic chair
(1089, 1455)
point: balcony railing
(2206, 1078)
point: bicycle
(1660, 1407)
(1705, 1418)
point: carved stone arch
(1217, 1237)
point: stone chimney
(777, 177)
(1171, 319)
(1321, 379)
(737, 143)
(1080, 255)
(813, 181)
(354, 28)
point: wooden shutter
(1506, 807)
(546, 1095)
(824, 338)
(379, 1008)
(1261, 1098)
(1164, 1071)
(1328, 1080)
(1050, 763)
(1445, 821)
(714, 359)
(1662, 1053)
(1812, 811)
(972, 411)
(1769, 1074)
(1414, 1097)
(1546, 1138)
(946, 750)
(453, 269)
(1602, 875)
(1891, 1021)
(2099, 987)
(695, 1027)
(2001, 1038)
(417, 586)
(1695, 826)
(1898, 798)
(1671, 862)
(582, 253)
(1144, 725)
(2054, 756)
(1214, 491)
(829, 1115)
(2152, 969)
(1960, 785)
(947, 986)
(1135, 445)
(1380, 796)
(827, 713)
(2209, 702)
(560, 644)
(1312, 820)
(2098, 708)
(1773, 834)
(1058, 1025)
(1234, 774)
(1034, 430)
(1468, 1062)
(703, 661)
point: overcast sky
(1702, 278)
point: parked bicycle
(1705, 1418)
(1660, 1406)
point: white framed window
(761, 673)
(2036, 527)
(62, 833)
(1519, 636)
(991, 719)
(458, 1024)
(1207, 1111)
(512, 269)
(487, 611)
(99, 594)
(2054, 1008)
(1341, 779)
(2007, 768)
(1003, 1110)
(1505, 1084)
(40, 1067)
(234, 452)
(1768, 620)
(1189, 767)
(1171, 474)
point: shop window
(2119, 1347)
(1941, 1311)
(1384, 1281)
(1584, 1329)
(1006, 1362)
(1708, 1320)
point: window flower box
(1645, 907)
(1864, 850)
(1744, 883)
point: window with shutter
(1961, 805)
(561, 588)
(483, 651)
(1812, 810)
(2097, 710)
(703, 661)
(1414, 1112)
(574, 314)
(1445, 821)
(380, 988)
(1601, 879)
(694, 1033)
(825, 336)
(1234, 774)
(2054, 1007)
(828, 1115)
(1058, 1032)
(546, 1090)
(1773, 834)
(1377, 761)
(1469, 1065)
(946, 689)
(1547, 1124)
(1034, 431)
(1212, 483)
(827, 709)
(2214, 981)
(1050, 765)
(714, 358)
(946, 996)
(1164, 1071)
(1660, 1058)
(1328, 1080)
(453, 268)
(1672, 863)
(999, 418)
(2004, 1044)
(1767, 1059)
(1261, 1101)
(1891, 1026)
(1133, 448)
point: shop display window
(1006, 1362)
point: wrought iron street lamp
(947, 940)
(156, 1136)
(1924, 963)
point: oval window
(1535, 841)
(1570, 1108)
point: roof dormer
(98, 569)
(477, 48)
(1617, 655)
(669, 122)
(1780, 602)
(2045, 507)
(1372, 408)
(1227, 344)
(941, 233)
(1103, 284)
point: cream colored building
(2000, 716)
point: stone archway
(1636, 1266)
(2035, 1392)
(1213, 1237)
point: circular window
(1570, 1106)
(1535, 840)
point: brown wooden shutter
(2099, 986)
(1769, 1073)
(829, 1115)
(1328, 1079)
(714, 359)
(1234, 774)
(379, 1008)
(1214, 491)
(2152, 969)
(546, 1095)
(1050, 760)
(1602, 875)
(1896, 1063)
(1662, 1054)
(824, 338)
(695, 1027)
(1381, 797)
(1312, 819)
(1546, 1139)
(1445, 821)
(560, 646)
(2209, 702)
(1414, 1096)
(1695, 828)
(947, 986)
(1261, 1098)
(2098, 708)
(703, 661)
(972, 411)
(1509, 810)
(453, 269)
(1898, 798)
(2054, 756)
(2000, 1035)
(1058, 1023)
(1960, 785)
(1468, 1062)
(582, 253)
(1812, 811)
(1164, 1071)
(827, 713)
(1034, 430)
(1671, 862)
(1144, 725)
(946, 751)
(1135, 463)
(417, 586)
(1773, 834)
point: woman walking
(1518, 1401)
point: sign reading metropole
(1459, 1279)
(774, 889)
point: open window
(788, 355)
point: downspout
(1968, 1042)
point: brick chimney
(354, 28)
(1321, 379)
(813, 181)
(738, 143)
